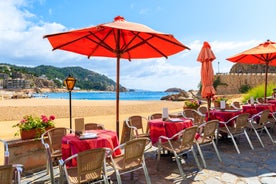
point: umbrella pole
(117, 95)
(208, 107)
(266, 70)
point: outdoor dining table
(272, 101)
(256, 108)
(168, 128)
(72, 144)
(223, 115)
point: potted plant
(191, 104)
(32, 126)
(218, 99)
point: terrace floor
(251, 166)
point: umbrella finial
(206, 44)
(119, 18)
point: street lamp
(70, 84)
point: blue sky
(230, 26)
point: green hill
(86, 79)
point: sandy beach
(103, 112)
(93, 111)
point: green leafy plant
(219, 98)
(244, 88)
(258, 91)
(193, 104)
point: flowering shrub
(32, 122)
(193, 104)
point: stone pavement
(256, 166)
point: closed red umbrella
(117, 39)
(206, 56)
(264, 53)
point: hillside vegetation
(86, 79)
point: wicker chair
(131, 160)
(9, 171)
(241, 122)
(91, 167)
(93, 126)
(260, 125)
(203, 110)
(155, 116)
(207, 138)
(260, 100)
(183, 144)
(194, 115)
(236, 105)
(136, 124)
(53, 147)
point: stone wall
(30, 153)
(235, 80)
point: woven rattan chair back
(242, 121)
(91, 126)
(6, 173)
(191, 113)
(236, 104)
(90, 164)
(187, 138)
(137, 122)
(260, 100)
(264, 117)
(202, 109)
(210, 129)
(155, 116)
(55, 137)
(134, 151)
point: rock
(181, 96)
(174, 90)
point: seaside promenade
(256, 166)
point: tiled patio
(251, 166)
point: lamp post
(70, 84)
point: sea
(87, 95)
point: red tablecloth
(71, 144)
(256, 108)
(272, 102)
(158, 127)
(224, 115)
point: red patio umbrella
(264, 53)
(206, 56)
(117, 39)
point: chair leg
(196, 159)
(216, 149)
(258, 136)
(234, 142)
(158, 157)
(248, 139)
(179, 165)
(146, 172)
(269, 134)
(118, 177)
(201, 155)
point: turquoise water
(141, 95)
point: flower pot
(33, 133)
(194, 107)
(217, 105)
(30, 134)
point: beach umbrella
(264, 53)
(117, 39)
(206, 56)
